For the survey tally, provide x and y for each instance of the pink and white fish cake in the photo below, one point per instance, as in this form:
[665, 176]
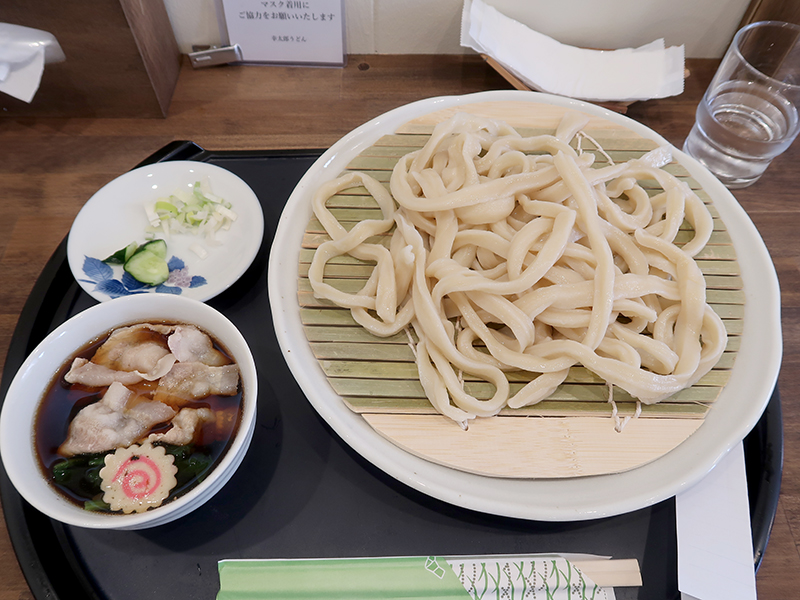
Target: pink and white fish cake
[137, 478]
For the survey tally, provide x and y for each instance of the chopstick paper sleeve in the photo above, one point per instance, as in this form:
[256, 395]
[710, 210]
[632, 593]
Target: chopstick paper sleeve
[406, 577]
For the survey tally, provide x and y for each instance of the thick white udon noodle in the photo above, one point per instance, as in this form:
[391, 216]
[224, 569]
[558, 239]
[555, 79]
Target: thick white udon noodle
[519, 245]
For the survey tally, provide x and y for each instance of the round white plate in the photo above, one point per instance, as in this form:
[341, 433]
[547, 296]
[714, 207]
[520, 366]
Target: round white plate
[734, 414]
[115, 216]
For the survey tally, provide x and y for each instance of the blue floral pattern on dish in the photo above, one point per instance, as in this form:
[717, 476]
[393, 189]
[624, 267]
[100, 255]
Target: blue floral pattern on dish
[102, 276]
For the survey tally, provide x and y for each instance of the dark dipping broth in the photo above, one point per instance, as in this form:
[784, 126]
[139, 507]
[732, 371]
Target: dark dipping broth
[77, 478]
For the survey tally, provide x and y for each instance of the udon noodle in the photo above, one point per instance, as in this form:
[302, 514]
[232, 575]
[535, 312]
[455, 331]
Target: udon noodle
[511, 253]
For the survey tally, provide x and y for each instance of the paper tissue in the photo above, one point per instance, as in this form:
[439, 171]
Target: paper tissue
[23, 54]
[544, 64]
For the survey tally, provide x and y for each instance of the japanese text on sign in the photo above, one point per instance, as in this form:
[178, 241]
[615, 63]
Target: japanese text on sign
[287, 31]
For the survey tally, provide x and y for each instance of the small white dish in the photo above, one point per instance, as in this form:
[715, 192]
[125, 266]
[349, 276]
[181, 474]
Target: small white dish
[735, 412]
[36, 373]
[115, 216]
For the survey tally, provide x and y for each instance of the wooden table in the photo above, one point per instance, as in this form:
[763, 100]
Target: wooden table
[50, 167]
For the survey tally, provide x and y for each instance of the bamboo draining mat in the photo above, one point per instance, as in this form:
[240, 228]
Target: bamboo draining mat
[569, 434]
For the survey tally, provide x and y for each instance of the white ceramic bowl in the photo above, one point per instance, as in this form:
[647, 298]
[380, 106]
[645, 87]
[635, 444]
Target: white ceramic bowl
[36, 373]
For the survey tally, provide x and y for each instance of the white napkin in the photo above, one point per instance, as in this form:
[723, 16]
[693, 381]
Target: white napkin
[715, 545]
[629, 74]
[21, 78]
[23, 53]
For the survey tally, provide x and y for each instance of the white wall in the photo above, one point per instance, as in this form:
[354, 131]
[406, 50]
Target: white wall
[194, 23]
[705, 27]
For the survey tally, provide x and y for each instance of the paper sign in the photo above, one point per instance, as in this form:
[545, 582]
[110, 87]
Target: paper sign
[290, 32]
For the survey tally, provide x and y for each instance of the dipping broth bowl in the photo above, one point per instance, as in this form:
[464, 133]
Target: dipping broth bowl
[36, 375]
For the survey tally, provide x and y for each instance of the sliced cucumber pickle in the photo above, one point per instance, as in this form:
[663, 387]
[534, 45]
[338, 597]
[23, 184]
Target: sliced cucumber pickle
[148, 267]
[121, 256]
[157, 247]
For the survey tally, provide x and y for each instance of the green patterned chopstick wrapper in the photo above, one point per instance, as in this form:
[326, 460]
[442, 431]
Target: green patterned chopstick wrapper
[479, 578]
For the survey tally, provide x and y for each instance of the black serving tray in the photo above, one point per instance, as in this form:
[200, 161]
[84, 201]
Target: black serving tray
[302, 492]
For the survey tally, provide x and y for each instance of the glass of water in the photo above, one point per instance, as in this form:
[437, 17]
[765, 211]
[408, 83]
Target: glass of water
[748, 115]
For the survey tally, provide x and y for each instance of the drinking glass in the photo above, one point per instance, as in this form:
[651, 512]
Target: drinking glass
[748, 115]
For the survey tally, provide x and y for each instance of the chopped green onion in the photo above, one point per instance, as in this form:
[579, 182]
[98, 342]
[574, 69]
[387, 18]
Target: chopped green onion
[169, 207]
[199, 212]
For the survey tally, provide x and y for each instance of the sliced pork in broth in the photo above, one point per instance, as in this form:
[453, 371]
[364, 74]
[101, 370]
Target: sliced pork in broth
[91, 374]
[185, 426]
[144, 388]
[118, 420]
[138, 348]
[189, 344]
[193, 380]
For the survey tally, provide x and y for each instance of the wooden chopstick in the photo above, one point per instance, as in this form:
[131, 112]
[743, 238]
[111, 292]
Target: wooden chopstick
[622, 572]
